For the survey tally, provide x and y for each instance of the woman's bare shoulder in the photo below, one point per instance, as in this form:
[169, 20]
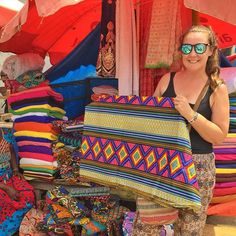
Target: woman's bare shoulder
[220, 94]
[220, 89]
[162, 85]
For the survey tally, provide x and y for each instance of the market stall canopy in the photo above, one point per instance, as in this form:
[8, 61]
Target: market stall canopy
[223, 10]
[226, 33]
[8, 9]
[56, 27]
[50, 27]
[220, 15]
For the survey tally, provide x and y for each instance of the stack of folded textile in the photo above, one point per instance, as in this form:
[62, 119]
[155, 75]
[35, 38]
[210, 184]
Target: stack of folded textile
[33, 111]
[67, 150]
[105, 89]
[224, 196]
[70, 132]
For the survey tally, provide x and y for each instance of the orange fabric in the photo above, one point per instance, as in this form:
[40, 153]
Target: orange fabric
[223, 199]
[223, 209]
[34, 126]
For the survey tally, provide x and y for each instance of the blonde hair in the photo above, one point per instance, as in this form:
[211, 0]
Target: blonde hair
[212, 65]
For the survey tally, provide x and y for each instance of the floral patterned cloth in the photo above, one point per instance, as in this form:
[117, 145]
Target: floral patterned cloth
[12, 212]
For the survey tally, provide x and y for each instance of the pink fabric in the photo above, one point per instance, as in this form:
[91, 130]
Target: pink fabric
[224, 191]
[23, 143]
[34, 93]
[225, 185]
[229, 139]
[38, 156]
[225, 157]
[225, 146]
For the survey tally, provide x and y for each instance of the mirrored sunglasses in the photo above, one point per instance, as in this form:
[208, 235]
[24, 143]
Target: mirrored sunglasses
[199, 48]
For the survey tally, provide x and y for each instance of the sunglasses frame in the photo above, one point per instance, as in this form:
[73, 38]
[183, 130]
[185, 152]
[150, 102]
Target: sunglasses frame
[193, 46]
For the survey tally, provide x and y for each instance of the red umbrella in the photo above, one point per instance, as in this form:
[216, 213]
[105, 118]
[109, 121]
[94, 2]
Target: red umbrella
[226, 32]
[56, 34]
[220, 15]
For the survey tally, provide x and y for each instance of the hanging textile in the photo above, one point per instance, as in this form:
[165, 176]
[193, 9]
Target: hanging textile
[164, 33]
[126, 48]
[147, 77]
[140, 144]
[106, 63]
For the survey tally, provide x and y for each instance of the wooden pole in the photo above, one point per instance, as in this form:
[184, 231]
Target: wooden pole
[195, 18]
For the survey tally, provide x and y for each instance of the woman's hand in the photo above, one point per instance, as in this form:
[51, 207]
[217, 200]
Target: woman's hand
[183, 107]
[12, 193]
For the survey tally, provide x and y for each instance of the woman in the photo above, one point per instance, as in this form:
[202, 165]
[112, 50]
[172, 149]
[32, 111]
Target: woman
[209, 124]
[16, 195]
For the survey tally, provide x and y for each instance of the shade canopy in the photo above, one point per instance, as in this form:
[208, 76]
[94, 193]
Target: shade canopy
[42, 29]
[56, 27]
[226, 32]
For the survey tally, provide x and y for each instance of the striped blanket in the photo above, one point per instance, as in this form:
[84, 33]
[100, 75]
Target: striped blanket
[140, 144]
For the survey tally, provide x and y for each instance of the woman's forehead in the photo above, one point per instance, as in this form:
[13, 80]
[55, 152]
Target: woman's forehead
[201, 37]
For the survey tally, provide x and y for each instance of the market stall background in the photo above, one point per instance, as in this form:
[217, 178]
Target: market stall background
[64, 33]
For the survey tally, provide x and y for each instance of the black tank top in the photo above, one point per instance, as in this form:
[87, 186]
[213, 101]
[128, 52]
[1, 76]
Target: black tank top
[199, 145]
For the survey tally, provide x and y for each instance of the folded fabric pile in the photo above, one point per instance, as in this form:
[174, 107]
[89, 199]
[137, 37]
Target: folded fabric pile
[33, 111]
[93, 212]
[66, 149]
[224, 196]
[70, 132]
[129, 221]
[103, 90]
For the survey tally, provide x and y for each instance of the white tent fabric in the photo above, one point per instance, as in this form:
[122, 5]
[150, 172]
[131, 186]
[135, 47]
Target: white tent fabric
[126, 49]
[47, 8]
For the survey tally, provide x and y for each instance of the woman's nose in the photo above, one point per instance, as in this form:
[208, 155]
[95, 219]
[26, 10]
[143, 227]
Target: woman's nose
[193, 53]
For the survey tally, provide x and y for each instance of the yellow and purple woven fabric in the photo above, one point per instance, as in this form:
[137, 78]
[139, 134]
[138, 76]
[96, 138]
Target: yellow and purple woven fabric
[140, 144]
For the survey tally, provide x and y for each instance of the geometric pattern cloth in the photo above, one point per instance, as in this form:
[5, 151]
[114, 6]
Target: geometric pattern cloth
[140, 144]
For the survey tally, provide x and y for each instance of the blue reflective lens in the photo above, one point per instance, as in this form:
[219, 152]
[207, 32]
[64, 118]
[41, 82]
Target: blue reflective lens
[199, 48]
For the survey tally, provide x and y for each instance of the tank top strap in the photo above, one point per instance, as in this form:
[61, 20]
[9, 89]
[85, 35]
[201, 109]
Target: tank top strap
[170, 91]
[172, 75]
